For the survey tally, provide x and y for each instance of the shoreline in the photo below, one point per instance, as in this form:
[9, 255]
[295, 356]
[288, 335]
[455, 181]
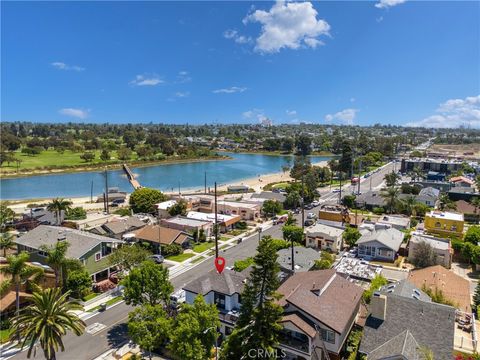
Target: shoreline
[256, 183]
[116, 166]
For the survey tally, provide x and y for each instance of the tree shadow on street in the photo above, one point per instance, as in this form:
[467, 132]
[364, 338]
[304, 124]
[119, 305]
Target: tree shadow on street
[117, 335]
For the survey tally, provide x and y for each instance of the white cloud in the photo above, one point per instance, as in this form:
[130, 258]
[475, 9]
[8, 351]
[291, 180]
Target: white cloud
[346, 116]
[454, 113]
[352, 99]
[291, 112]
[235, 36]
[77, 113]
[182, 94]
[254, 114]
[183, 77]
[62, 66]
[146, 80]
[288, 25]
[230, 90]
[385, 4]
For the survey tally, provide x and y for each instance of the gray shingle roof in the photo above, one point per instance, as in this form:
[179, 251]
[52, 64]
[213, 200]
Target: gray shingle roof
[430, 192]
[270, 196]
[406, 289]
[304, 258]
[124, 225]
[404, 344]
[228, 282]
[390, 238]
[80, 241]
[432, 325]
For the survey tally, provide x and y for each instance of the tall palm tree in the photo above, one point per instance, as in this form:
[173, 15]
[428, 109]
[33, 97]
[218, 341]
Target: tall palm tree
[47, 320]
[409, 205]
[6, 242]
[57, 259]
[58, 205]
[20, 272]
[390, 195]
[444, 203]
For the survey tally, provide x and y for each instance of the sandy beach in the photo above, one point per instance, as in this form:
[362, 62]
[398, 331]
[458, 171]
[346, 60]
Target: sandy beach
[256, 183]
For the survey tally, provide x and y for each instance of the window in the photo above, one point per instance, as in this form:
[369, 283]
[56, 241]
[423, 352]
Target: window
[327, 335]
[98, 256]
[438, 225]
[454, 227]
[219, 300]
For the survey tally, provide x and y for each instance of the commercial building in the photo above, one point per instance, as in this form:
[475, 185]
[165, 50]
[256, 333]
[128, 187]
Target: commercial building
[444, 223]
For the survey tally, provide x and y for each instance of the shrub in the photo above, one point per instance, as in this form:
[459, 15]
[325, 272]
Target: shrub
[241, 225]
[171, 250]
[378, 210]
[76, 213]
[79, 283]
[241, 265]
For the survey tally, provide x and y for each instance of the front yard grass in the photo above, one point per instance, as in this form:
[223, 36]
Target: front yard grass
[201, 247]
[90, 296]
[109, 302]
[180, 257]
[4, 335]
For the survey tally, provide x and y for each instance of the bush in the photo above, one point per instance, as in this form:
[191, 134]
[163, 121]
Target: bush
[280, 244]
[377, 282]
[76, 213]
[5, 324]
[378, 210]
[143, 200]
[241, 225]
[79, 283]
[171, 250]
[241, 265]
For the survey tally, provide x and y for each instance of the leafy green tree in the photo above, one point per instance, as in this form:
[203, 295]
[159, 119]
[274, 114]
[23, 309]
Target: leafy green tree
[147, 284]
[445, 203]
[195, 331]
[172, 249]
[271, 207]
[124, 153]
[143, 200]
[258, 325]
[293, 233]
[377, 282]
[351, 235]
[57, 259]
[303, 144]
[76, 213]
[349, 201]
[391, 179]
[6, 242]
[105, 155]
[6, 215]
[424, 256]
[149, 326]
[87, 156]
[46, 321]
[20, 272]
[473, 235]
[128, 256]
[292, 200]
[57, 206]
[179, 208]
[291, 220]
[476, 297]
[325, 262]
[79, 283]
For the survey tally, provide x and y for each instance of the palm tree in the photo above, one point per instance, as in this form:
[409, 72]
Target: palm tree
[47, 320]
[57, 259]
[58, 205]
[409, 205]
[6, 242]
[444, 203]
[19, 272]
[390, 195]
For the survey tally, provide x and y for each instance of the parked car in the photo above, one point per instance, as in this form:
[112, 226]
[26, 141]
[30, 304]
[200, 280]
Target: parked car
[309, 222]
[280, 219]
[158, 259]
[177, 298]
[311, 216]
[315, 203]
[117, 202]
[335, 190]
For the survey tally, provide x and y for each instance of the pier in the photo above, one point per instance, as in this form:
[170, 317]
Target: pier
[131, 177]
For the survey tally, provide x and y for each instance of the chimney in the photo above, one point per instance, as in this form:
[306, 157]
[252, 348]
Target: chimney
[378, 306]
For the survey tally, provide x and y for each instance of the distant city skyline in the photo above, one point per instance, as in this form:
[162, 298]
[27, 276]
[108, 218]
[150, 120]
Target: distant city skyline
[393, 62]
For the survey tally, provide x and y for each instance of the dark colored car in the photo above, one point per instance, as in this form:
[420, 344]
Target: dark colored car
[158, 259]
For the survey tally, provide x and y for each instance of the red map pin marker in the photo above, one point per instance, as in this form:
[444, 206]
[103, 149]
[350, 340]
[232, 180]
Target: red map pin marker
[220, 264]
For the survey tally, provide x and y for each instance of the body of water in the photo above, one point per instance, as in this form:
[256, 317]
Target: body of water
[167, 177]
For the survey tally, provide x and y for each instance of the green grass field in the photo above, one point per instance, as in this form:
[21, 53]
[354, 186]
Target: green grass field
[201, 247]
[181, 257]
[4, 335]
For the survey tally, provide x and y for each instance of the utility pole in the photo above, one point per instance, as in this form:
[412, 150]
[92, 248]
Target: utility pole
[91, 192]
[106, 191]
[340, 192]
[179, 193]
[215, 228]
[205, 184]
[303, 203]
[359, 175]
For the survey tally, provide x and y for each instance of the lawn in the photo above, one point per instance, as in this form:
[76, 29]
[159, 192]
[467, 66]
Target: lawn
[109, 303]
[201, 247]
[4, 335]
[90, 296]
[224, 238]
[200, 258]
[180, 257]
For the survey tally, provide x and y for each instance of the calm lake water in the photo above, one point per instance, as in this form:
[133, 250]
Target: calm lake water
[164, 177]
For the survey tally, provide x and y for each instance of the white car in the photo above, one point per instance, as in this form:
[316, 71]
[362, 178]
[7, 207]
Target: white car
[311, 216]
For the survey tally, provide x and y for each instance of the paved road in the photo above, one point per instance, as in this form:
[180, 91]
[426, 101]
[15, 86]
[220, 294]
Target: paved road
[112, 329]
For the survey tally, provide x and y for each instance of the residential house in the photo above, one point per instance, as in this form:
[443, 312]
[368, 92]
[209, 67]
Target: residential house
[91, 249]
[441, 247]
[163, 208]
[304, 259]
[320, 308]
[395, 221]
[462, 181]
[470, 212]
[399, 326]
[114, 193]
[247, 211]
[159, 236]
[444, 223]
[34, 217]
[463, 193]
[370, 200]
[270, 195]
[379, 243]
[225, 222]
[324, 237]
[119, 227]
[428, 196]
[436, 278]
[188, 225]
[223, 290]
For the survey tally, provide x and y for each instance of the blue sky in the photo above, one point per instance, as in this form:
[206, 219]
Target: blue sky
[343, 62]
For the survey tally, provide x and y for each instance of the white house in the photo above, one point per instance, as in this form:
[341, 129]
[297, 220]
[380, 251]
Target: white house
[379, 243]
[324, 237]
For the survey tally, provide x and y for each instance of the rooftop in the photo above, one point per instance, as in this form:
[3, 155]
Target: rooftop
[162, 235]
[357, 268]
[324, 229]
[445, 215]
[221, 218]
[185, 221]
[436, 243]
[228, 282]
[165, 205]
[304, 258]
[391, 238]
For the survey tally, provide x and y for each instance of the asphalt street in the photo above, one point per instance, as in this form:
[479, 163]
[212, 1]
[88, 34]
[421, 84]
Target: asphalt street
[108, 329]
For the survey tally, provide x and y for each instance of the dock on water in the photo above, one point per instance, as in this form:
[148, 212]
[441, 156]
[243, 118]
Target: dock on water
[131, 177]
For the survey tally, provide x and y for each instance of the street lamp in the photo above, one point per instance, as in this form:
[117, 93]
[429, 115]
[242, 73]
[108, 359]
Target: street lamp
[259, 230]
[216, 339]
